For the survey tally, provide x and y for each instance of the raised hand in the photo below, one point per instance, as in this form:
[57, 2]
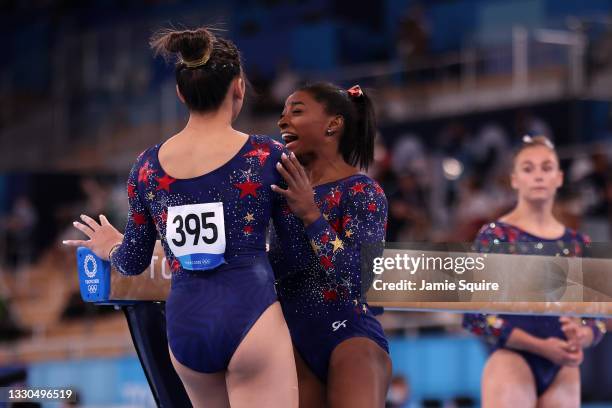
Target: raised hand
[299, 193]
[102, 237]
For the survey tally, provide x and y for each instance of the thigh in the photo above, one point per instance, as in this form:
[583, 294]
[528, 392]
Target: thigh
[564, 392]
[359, 374]
[203, 389]
[312, 390]
[261, 372]
[507, 381]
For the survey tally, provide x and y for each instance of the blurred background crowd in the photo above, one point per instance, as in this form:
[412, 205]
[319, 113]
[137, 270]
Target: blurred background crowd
[456, 84]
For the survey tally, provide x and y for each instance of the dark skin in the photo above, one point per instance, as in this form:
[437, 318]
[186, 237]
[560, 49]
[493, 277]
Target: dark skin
[359, 370]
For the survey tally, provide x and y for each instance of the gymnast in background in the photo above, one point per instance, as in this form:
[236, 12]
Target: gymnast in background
[534, 360]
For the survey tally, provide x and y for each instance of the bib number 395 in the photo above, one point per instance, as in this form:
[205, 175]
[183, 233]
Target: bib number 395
[191, 225]
[196, 235]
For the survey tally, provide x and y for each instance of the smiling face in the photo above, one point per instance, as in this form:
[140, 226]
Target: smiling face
[304, 125]
[536, 175]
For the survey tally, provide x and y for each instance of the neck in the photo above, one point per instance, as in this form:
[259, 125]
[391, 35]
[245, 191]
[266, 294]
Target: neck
[209, 123]
[538, 215]
[328, 167]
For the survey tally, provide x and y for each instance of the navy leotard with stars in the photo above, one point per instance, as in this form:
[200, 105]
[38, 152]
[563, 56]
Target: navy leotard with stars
[500, 237]
[208, 312]
[318, 268]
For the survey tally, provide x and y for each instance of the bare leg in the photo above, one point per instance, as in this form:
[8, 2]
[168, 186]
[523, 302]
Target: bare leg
[564, 392]
[359, 374]
[262, 370]
[312, 390]
[507, 381]
[204, 390]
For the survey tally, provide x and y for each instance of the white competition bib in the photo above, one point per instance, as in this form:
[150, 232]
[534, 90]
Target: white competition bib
[196, 235]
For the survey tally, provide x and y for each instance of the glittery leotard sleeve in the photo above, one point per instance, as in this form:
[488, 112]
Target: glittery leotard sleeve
[363, 221]
[134, 254]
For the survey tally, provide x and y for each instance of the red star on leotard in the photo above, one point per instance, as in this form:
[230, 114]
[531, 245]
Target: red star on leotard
[378, 188]
[164, 182]
[248, 188]
[336, 226]
[131, 190]
[261, 151]
[326, 262]
[164, 216]
[358, 188]
[512, 235]
[175, 266]
[144, 173]
[345, 220]
[325, 239]
[248, 230]
[372, 207]
[330, 295]
[333, 198]
[139, 218]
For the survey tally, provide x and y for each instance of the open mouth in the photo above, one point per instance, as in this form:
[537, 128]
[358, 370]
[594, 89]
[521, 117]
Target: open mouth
[288, 138]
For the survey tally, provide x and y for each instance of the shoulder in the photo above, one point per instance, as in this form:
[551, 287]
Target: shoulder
[265, 141]
[147, 155]
[578, 236]
[266, 145]
[362, 186]
[498, 230]
[145, 160]
[364, 194]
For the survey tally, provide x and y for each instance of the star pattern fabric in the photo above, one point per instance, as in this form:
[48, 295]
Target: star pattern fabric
[242, 184]
[319, 266]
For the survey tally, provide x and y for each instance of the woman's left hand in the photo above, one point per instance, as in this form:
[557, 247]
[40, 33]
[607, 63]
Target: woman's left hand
[299, 192]
[102, 237]
[576, 334]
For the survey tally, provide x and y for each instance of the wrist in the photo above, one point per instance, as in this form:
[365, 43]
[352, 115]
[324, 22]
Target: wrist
[113, 249]
[537, 346]
[311, 217]
[533, 345]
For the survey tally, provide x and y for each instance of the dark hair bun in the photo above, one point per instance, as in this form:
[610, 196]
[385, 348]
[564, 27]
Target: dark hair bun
[190, 45]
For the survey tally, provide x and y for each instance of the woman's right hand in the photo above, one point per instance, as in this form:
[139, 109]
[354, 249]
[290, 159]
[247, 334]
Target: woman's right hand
[561, 352]
[102, 237]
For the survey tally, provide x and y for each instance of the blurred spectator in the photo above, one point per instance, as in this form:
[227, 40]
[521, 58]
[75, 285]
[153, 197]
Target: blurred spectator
[596, 184]
[526, 123]
[96, 196]
[600, 53]
[413, 36]
[474, 208]
[489, 151]
[381, 170]
[262, 101]
[9, 329]
[408, 155]
[19, 227]
[285, 83]
[398, 394]
[408, 211]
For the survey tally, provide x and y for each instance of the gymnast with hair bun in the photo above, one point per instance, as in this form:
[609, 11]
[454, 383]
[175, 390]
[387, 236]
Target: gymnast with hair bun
[534, 360]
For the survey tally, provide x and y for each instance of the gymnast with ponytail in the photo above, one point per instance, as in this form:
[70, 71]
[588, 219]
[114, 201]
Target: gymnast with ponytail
[332, 212]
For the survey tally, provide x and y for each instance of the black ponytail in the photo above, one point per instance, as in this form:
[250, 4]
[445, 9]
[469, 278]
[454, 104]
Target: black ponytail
[357, 141]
